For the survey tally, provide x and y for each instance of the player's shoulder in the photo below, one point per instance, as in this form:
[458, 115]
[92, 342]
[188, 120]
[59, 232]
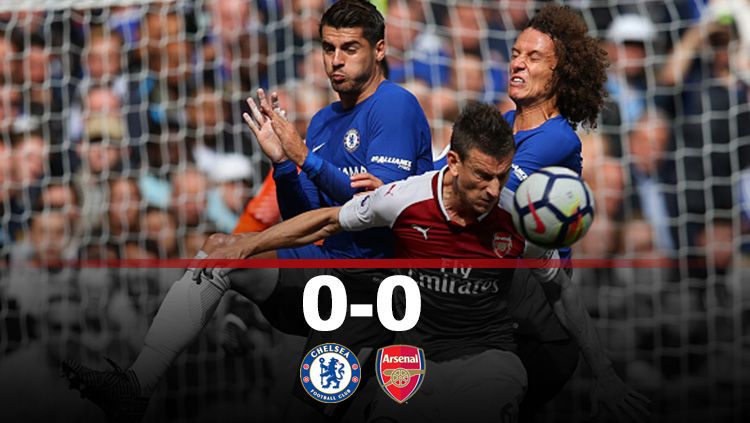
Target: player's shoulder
[390, 95]
[560, 128]
[409, 190]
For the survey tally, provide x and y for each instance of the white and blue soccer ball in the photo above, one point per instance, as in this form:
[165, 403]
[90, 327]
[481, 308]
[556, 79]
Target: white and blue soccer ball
[553, 207]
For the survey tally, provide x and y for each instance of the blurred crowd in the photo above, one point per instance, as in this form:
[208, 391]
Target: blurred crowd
[121, 137]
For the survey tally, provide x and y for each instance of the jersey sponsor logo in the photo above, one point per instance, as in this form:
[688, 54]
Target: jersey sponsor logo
[353, 170]
[401, 163]
[422, 230]
[453, 283]
[502, 242]
[520, 174]
[330, 373]
[540, 228]
[351, 140]
[318, 147]
[400, 370]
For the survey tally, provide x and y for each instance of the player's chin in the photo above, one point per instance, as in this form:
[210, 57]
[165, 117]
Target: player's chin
[481, 207]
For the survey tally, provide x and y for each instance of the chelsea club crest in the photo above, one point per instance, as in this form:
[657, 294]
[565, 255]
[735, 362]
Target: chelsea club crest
[330, 373]
[351, 140]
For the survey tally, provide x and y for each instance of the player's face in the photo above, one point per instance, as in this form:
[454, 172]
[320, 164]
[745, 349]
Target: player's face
[532, 68]
[479, 178]
[351, 62]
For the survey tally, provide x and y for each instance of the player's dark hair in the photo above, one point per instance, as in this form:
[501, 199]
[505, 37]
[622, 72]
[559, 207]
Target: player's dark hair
[483, 127]
[581, 70]
[355, 14]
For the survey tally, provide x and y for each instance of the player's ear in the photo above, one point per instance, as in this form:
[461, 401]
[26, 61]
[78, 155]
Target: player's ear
[453, 162]
[380, 50]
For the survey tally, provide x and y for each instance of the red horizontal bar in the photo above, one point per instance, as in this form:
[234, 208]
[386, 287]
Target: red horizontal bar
[436, 263]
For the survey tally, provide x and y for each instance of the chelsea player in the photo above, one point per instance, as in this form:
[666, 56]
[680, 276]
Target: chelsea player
[376, 127]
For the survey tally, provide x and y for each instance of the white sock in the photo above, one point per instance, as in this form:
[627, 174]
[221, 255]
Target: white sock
[186, 309]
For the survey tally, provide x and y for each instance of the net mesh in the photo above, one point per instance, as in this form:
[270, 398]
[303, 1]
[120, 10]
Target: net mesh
[122, 137]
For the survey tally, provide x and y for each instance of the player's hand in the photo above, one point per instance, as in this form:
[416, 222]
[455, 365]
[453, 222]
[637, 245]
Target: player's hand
[233, 247]
[292, 143]
[365, 181]
[619, 401]
[261, 126]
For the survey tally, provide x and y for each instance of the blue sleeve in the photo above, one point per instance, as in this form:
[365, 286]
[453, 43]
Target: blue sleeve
[294, 192]
[549, 148]
[328, 178]
[399, 147]
[401, 144]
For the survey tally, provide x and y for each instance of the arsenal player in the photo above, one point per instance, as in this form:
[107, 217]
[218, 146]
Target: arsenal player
[464, 327]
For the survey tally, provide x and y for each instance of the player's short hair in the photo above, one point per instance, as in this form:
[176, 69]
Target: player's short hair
[481, 126]
[355, 14]
[581, 70]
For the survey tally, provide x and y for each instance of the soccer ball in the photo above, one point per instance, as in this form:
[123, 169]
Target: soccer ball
[553, 207]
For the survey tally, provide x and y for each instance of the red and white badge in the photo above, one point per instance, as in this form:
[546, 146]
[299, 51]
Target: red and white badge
[400, 370]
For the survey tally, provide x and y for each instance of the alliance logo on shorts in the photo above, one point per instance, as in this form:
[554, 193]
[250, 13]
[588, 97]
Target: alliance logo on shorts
[400, 370]
[330, 373]
[351, 140]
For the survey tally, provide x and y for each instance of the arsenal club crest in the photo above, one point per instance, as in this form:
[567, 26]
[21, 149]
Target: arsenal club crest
[400, 371]
[501, 244]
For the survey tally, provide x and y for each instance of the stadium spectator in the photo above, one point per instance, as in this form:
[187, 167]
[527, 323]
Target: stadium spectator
[94, 100]
[38, 264]
[231, 176]
[189, 197]
[629, 38]
[29, 157]
[310, 70]
[468, 78]
[123, 209]
[440, 106]
[102, 58]
[651, 170]
[717, 118]
[414, 50]
[101, 152]
[236, 50]
[469, 28]
[160, 226]
[166, 58]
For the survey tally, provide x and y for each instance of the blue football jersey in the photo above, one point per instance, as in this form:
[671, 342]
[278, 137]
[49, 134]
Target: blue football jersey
[386, 135]
[553, 143]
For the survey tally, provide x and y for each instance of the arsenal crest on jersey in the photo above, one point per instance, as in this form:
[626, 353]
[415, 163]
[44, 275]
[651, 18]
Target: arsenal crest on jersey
[502, 243]
[400, 370]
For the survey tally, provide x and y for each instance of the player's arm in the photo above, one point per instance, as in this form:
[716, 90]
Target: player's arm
[295, 193]
[565, 299]
[359, 213]
[300, 230]
[398, 148]
[321, 174]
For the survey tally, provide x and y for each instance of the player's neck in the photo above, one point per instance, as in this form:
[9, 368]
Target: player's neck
[349, 100]
[533, 116]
